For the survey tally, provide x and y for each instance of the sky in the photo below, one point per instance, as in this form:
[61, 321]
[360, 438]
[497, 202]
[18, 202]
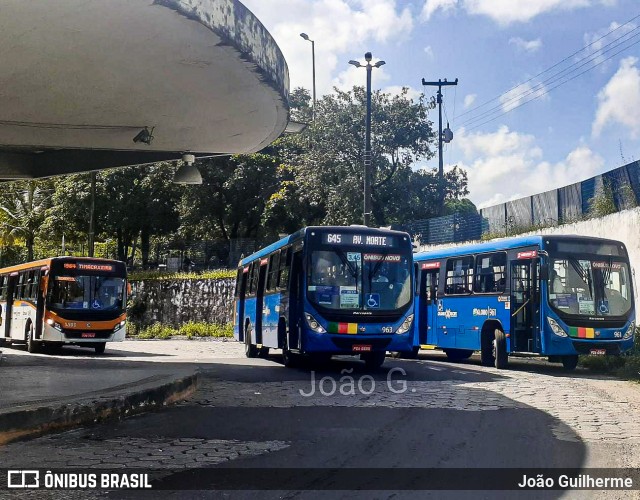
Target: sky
[576, 61]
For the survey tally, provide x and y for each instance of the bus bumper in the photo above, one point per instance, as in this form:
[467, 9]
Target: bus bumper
[50, 334]
[356, 344]
[571, 346]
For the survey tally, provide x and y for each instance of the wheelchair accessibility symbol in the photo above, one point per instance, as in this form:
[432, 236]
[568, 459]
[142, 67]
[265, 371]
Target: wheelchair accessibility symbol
[372, 300]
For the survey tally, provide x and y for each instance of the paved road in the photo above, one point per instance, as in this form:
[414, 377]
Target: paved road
[425, 413]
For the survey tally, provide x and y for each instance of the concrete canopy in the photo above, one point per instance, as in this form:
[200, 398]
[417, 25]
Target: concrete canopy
[79, 79]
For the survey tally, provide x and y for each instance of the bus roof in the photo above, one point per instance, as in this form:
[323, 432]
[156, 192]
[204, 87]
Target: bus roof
[301, 232]
[502, 244]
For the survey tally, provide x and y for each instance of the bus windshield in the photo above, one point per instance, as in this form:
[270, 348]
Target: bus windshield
[345, 280]
[590, 286]
[97, 293]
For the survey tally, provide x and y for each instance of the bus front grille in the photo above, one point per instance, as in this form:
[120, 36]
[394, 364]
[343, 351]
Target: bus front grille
[80, 335]
[585, 347]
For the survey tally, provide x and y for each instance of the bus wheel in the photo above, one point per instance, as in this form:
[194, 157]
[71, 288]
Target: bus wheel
[569, 362]
[458, 354]
[500, 349]
[250, 350]
[373, 360]
[487, 357]
[100, 347]
[32, 344]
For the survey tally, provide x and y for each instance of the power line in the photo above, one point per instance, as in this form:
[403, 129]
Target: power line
[552, 88]
[551, 67]
[557, 76]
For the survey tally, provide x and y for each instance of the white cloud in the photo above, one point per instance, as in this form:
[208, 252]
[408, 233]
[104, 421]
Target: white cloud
[596, 42]
[469, 99]
[526, 45]
[619, 100]
[521, 94]
[341, 30]
[431, 6]
[504, 12]
[429, 51]
[505, 165]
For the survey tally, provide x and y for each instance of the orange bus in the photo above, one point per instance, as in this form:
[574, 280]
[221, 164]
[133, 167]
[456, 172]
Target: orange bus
[64, 300]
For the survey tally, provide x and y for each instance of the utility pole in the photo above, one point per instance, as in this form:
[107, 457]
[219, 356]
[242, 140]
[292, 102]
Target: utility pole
[440, 84]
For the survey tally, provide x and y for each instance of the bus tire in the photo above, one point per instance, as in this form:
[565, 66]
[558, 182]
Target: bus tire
[500, 346]
[373, 360]
[250, 350]
[33, 345]
[263, 352]
[486, 349]
[570, 362]
[458, 354]
[100, 347]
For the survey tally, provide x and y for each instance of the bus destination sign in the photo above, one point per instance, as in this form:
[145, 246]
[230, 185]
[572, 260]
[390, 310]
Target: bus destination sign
[89, 266]
[359, 240]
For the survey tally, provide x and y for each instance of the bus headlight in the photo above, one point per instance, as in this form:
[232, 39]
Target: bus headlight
[313, 324]
[119, 325]
[629, 333]
[52, 323]
[556, 328]
[406, 324]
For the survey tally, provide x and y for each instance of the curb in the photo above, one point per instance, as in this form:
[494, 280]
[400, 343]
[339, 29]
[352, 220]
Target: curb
[33, 422]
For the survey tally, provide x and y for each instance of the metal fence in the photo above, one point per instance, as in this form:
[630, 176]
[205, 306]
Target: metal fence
[612, 191]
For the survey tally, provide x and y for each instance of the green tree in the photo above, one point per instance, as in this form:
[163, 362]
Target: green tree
[24, 205]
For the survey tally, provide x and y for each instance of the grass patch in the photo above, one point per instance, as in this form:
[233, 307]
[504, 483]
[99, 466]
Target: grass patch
[215, 274]
[190, 330]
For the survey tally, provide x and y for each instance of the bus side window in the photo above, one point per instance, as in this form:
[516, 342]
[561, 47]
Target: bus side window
[490, 273]
[272, 273]
[3, 287]
[285, 265]
[253, 278]
[459, 277]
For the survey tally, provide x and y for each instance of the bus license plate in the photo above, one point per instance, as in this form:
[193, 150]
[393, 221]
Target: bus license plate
[88, 335]
[598, 352]
[361, 348]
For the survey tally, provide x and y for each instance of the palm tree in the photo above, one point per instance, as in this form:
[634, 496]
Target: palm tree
[24, 206]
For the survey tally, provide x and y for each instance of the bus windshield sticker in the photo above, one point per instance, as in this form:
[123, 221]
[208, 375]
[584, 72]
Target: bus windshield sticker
[527, 255]
[349, 297]
[378, 257]
[607, 265]
[65, 278]
[353, 256]
[586, 307]
[372, 300]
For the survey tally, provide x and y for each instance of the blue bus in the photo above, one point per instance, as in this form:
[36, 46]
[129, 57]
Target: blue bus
[555, 296]
[324, 291]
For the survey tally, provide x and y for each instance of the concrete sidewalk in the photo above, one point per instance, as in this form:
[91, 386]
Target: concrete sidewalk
[42, 393]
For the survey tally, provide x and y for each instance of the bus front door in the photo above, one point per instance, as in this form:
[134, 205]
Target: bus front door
[428, 304]
[262, 278]
[524, 306]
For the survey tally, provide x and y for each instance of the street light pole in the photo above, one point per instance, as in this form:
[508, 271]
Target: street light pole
[367, 138]
[92, 215]
[313, 69]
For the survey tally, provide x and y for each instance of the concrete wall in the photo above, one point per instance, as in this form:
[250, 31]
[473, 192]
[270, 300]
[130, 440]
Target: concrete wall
[179, 301]
[622, 226]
